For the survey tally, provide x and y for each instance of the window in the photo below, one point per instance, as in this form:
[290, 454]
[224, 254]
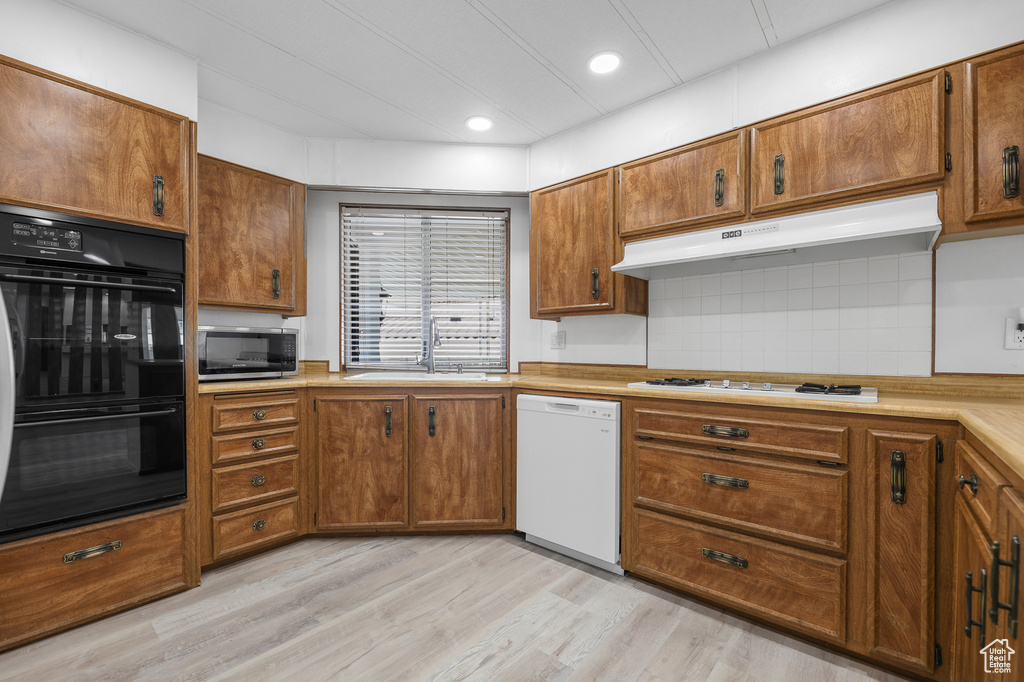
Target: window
[401, 267]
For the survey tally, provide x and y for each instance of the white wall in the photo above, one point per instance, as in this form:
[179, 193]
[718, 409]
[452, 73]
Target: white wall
[978, 284]
[323, 230]
[892, 41]
[74, 44]
[229, 135]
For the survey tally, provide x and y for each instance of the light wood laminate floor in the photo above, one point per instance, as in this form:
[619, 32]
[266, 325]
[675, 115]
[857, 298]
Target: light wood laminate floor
[481, 607]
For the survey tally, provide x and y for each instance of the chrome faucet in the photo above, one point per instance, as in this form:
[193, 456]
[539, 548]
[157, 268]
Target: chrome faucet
[435, 342]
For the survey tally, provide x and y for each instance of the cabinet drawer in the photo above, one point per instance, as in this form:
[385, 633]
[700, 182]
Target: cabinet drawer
[800, 589]
[261, 413]
[792, 439]
[40, 592]
[235, 486]
[981, 484]
[804, 504]
[244, 530]
[253, 443]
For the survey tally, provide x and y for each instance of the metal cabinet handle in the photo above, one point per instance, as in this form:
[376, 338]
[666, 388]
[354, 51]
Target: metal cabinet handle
[387, 420]
[276, 283]
[158, 195]
[1011, 172]
[258, 480]
[728, 481]
[780, 173]
[729, 431]
[730, 559]
[898, 476]
[969, 594]
[259, 414]
[258, 444]
[259, 525]
[72, 557]
[432, 420]
[719, 187]
[972, 482]
[595, 283]
[1014, 565]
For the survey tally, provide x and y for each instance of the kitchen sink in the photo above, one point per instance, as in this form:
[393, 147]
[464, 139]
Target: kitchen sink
[421, 376]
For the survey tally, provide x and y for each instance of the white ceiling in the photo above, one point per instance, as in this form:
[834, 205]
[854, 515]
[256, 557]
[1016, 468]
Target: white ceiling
[417, 69]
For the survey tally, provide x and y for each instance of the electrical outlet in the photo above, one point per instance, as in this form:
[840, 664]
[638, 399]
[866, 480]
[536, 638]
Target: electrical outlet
[1014, 335]
[557, 340]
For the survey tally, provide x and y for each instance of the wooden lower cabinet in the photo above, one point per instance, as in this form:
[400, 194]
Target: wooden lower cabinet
[44, 589]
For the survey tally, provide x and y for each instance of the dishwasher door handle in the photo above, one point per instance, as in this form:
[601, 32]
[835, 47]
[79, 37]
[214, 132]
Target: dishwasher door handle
[562, 407]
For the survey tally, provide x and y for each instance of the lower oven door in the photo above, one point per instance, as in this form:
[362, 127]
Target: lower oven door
[69, 467]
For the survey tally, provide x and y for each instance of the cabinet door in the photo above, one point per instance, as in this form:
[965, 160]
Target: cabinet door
[994, 126]
[884, 138]
[903, 599]
[693, 185]
[1004, 592]
[457, 468]
[362, 460]
[71, 147]
[972, 571]
[250, 239]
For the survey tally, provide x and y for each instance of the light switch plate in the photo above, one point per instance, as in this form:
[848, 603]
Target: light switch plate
[557, 340]
[1014, 337]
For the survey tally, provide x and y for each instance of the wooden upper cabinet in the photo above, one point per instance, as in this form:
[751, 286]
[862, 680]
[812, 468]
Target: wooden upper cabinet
[688, 187]
[251, 239]
[573, 245]
[880, 139]
[994, 135]
[67, 146]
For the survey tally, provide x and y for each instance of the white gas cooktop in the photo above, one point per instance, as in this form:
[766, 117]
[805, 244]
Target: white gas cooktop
[807, 391]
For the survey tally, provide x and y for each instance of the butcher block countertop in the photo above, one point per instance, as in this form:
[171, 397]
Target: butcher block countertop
[998, 422]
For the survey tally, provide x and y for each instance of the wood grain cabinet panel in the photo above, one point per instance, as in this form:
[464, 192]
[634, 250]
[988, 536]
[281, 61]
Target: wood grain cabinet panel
[573, 244]
[234, 447]
[251, 239]
[251, 483]
[363, 462]
[994, 124]
[972, 566]
[71, 147]
[255, 412]
[981, 483]
[880, 139]
[683, 188]
[249, 529]
[457, 461]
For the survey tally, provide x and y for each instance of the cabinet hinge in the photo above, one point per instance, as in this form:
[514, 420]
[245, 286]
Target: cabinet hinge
[949, 84]
[314, 404]
[938, 655]
[503, 402]
[940, 454]
[949, 162]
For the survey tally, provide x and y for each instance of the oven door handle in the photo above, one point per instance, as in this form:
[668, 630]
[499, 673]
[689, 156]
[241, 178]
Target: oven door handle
[99, 418]
[7, 393]
[34, 279]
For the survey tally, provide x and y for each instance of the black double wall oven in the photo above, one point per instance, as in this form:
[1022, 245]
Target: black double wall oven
[92, 372]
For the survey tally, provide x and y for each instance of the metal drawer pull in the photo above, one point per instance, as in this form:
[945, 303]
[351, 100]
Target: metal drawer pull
[719, 187]
[432, 420]
[260, 524]
[387, 420]
[972, 482]
[730, 559]
[730, 431]
[275, 283]
[780, 173]
[898, 476]
[158, 195]
[1011, 172]
[72, 557]
[259, 414]
[595, 283]
[969, 593]
[728, 481]
[1014, 565]
[258, 444]
[258, 480]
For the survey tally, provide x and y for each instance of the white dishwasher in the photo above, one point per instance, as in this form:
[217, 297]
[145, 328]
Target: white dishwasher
[567, 477]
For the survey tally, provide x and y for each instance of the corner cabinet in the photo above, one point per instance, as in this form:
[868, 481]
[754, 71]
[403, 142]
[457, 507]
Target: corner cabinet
[68, 146]
[573, 244]
[251, 231]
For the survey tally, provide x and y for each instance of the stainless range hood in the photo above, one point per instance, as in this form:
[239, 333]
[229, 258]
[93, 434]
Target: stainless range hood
[901, 225]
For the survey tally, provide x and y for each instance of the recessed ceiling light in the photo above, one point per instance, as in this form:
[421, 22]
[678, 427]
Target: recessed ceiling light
[479, 123]
[605, 62]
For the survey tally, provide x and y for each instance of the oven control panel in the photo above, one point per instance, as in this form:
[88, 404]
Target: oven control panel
[44, 237]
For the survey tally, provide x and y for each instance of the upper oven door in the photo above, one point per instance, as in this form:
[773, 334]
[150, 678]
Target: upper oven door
[81, 336]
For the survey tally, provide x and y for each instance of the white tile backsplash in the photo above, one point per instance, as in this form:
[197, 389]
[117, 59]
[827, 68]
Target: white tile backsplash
[856, 316]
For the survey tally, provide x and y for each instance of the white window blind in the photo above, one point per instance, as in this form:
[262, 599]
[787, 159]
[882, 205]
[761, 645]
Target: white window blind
[400, 267]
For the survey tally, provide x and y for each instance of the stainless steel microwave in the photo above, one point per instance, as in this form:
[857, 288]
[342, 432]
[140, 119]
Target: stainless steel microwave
[246, 353]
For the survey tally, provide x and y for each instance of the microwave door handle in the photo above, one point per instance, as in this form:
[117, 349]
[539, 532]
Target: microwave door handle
[98, 418]
[7, 390]
[37, 279]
